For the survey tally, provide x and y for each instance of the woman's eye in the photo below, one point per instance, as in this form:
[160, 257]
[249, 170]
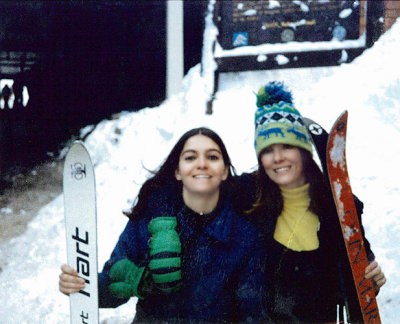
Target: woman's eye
[189, 158]
[287, 147]
[213, 157]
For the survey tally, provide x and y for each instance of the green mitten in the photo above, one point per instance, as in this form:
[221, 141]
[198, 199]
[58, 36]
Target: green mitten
[128, 280]
[165, 251]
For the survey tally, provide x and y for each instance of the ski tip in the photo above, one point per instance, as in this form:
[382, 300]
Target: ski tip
[308, 121]
[343, 116]
[77, 148]
[77, 159]
[77, 143]
[340, 123]
[315, 129]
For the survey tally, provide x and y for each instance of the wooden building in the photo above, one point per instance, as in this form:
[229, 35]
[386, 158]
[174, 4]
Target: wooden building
[392, 12]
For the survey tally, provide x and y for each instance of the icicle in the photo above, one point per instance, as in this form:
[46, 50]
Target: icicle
[337, 314]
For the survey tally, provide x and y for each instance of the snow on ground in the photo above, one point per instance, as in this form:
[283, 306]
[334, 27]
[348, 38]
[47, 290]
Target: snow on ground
[122, 150]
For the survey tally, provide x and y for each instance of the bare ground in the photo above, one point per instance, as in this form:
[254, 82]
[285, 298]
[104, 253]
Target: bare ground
[27, 193]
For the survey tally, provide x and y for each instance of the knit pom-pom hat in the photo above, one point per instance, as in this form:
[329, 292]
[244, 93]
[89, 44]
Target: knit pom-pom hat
[277, 121]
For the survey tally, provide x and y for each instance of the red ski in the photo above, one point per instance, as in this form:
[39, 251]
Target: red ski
[346, 210]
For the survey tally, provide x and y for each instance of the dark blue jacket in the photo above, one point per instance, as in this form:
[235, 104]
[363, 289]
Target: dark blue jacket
[222, 268]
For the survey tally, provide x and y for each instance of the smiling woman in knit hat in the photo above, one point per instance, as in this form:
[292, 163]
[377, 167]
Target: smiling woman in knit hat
[306, 265]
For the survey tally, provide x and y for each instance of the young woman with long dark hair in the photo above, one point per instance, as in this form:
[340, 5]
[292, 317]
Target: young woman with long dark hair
[185, 253]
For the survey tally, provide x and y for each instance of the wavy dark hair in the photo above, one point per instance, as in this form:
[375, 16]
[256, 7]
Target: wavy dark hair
[165, 175]
[269, 199]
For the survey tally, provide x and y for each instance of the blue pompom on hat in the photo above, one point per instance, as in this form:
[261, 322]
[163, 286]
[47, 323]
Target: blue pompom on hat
[277, 121]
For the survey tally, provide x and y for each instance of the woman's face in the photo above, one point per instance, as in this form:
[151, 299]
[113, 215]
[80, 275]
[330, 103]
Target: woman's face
[201, 166]
[283, 165]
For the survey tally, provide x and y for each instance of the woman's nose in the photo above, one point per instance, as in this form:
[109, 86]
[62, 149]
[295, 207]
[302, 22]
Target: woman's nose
[202, 162]
[278, 156]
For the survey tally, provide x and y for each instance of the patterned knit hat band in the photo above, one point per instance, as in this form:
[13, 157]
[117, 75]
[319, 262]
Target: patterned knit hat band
[277, 121]
[281, 111]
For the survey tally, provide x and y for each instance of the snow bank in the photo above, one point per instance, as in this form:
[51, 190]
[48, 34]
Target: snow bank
[123, 148]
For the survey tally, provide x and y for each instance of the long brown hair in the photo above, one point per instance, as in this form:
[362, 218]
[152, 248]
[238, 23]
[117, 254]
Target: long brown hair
[165, 175]
[269, 199]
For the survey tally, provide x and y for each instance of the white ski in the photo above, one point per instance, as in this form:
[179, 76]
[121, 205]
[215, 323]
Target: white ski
[81, 231]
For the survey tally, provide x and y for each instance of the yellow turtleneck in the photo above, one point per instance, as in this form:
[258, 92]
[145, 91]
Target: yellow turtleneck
[297, 227]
